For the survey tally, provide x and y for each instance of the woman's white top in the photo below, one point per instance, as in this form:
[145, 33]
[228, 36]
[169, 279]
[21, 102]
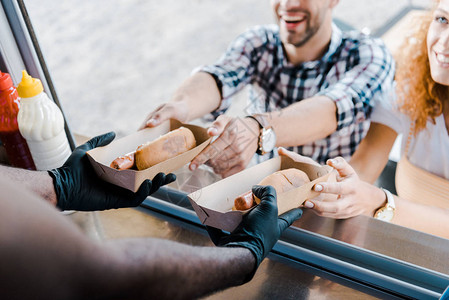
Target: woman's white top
[429, 150]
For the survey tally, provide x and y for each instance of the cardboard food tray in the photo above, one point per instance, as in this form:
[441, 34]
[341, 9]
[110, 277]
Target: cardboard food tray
[213, 204]
[102, 157]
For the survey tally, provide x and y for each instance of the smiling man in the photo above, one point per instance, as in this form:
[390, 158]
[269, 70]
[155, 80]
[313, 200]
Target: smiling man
[312, 89]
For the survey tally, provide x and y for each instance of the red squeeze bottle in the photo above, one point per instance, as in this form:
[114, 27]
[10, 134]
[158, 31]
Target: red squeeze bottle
[16, 146]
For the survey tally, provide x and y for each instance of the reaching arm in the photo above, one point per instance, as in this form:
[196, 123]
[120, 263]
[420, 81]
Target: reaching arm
[198, 95]
[76, 186]
[60, 263]
[153, 267]
[301, 118]
[343, 103]
[238, 138]
[38, 182]
[356, 197]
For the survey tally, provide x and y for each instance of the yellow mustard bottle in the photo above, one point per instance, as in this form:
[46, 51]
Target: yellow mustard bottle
[41, 123]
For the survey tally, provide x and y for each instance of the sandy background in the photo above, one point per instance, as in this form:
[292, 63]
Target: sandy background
[113, 61]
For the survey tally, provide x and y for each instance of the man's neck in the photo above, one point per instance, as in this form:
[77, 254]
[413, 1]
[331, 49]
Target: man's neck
[314, 49]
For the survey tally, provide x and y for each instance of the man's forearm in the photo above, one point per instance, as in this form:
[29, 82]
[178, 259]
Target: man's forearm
[38, 182]
[303, 122]
[62, 263]
[160, 265]
[198, 95]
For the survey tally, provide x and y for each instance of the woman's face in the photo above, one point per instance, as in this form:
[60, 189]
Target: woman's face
[438, 44]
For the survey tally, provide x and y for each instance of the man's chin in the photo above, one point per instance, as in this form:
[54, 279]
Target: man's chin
[294, 40]
[297, 43]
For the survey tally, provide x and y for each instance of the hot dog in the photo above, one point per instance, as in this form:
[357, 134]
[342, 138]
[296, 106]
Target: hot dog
[151, 153]
[165, 147]
[282, 181]
[124, 162]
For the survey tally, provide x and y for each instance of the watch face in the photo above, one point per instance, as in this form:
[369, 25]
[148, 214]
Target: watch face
[268, 140]
[385, 214]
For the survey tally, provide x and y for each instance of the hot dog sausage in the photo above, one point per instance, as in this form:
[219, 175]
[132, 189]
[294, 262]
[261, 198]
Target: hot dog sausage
[123, 162]
[244, 201]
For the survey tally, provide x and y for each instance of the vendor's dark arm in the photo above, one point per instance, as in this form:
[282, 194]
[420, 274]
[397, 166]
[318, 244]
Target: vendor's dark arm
[38, 182]
[76, 186]
[47, 257]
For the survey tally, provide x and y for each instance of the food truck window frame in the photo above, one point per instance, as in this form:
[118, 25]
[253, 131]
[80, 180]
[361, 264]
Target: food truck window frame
[19, 49]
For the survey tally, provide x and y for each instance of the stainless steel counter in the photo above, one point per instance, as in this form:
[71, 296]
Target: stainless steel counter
[316, 258]
[277, 277]
[369, 254]
[415, 247]
[368, 233]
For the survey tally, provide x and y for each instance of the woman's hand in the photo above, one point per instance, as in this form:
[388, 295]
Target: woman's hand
[304, 159]
[354, 196]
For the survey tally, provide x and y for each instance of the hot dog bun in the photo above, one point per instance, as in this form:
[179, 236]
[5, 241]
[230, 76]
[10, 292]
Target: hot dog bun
[282, 181]
[167, 146]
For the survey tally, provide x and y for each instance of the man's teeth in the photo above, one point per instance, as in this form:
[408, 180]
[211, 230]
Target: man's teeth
[443, 58]
[292, 18]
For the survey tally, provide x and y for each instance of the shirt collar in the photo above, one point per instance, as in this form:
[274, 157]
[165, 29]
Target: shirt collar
[336, 39]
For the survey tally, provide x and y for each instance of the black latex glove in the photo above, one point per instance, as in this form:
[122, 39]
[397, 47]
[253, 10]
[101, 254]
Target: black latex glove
[78, 187]
[260, 229]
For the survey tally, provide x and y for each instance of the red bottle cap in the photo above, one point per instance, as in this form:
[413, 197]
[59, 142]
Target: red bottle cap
[5, 81]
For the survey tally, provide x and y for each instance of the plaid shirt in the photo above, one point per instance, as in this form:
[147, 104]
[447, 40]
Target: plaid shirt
[355, 69]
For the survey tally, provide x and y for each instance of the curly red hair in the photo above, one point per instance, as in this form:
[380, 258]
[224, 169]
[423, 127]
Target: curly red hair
[419, 96]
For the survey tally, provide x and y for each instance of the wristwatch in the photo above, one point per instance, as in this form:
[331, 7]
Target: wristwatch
[267, 137]
[386, 212]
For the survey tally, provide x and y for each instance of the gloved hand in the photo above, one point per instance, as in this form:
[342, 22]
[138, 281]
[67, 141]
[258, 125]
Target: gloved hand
[79, 188]
[260, 229]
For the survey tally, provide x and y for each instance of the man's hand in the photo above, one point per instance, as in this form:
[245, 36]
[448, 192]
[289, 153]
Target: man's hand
[77, 186]
[165, 112]
[198, 95]
[232, 151]
[260, 229]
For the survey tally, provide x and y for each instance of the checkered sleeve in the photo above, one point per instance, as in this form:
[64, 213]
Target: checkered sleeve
[371, 76]
[236, 66]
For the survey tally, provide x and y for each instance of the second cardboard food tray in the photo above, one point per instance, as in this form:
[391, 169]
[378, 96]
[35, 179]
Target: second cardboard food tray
[213, 204]
[102, 157]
